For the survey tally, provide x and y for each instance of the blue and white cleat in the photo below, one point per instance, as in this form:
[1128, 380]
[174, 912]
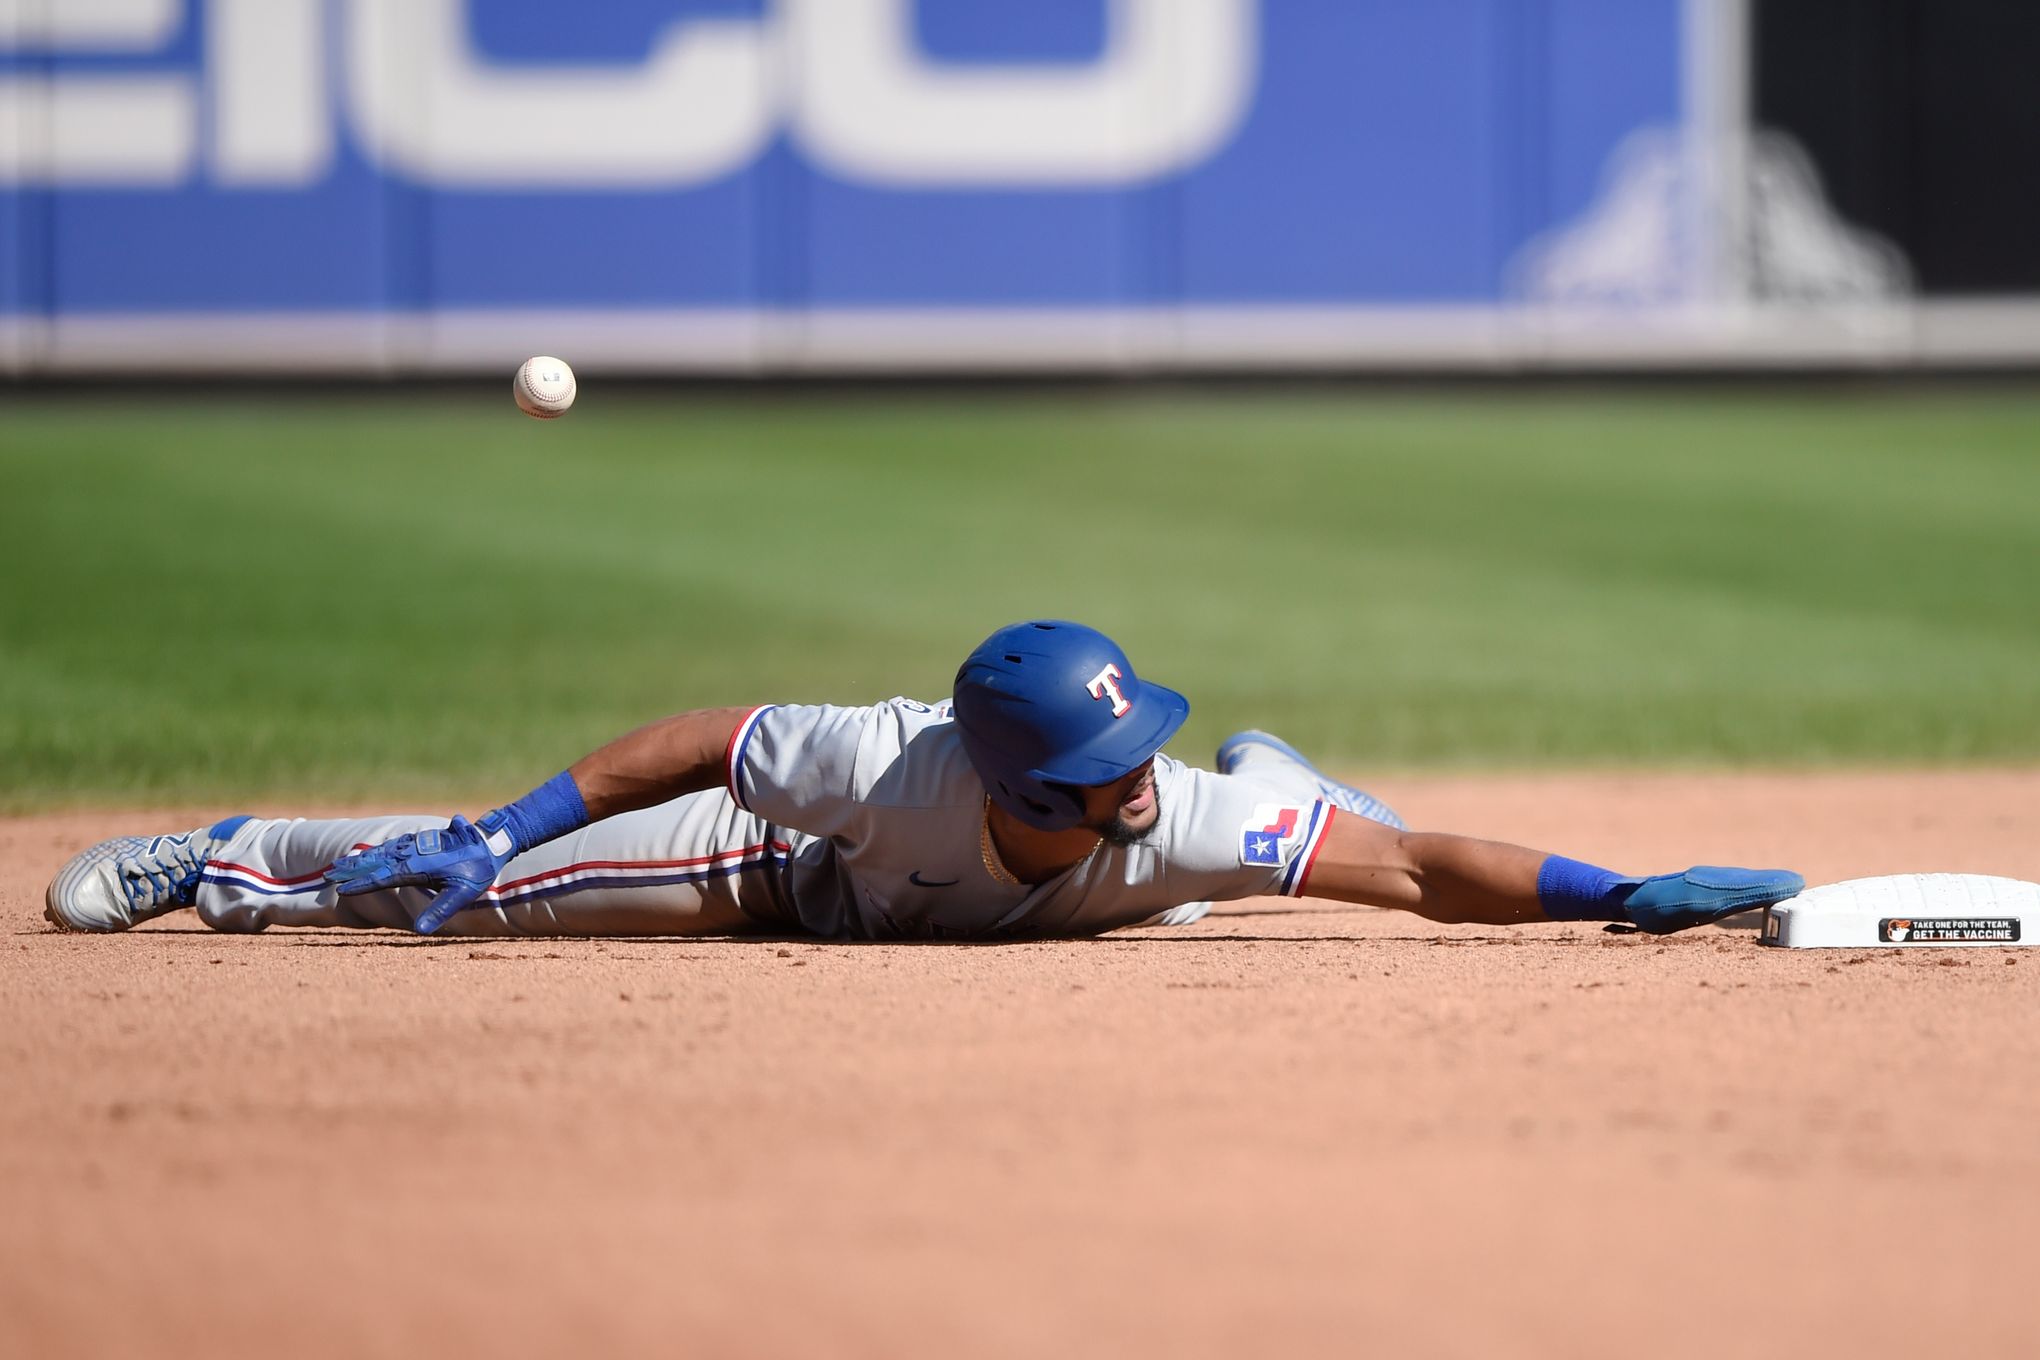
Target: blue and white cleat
[1241, 751]
[130, 879]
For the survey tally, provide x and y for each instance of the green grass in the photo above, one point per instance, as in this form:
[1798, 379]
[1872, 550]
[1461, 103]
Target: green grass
[410, 595]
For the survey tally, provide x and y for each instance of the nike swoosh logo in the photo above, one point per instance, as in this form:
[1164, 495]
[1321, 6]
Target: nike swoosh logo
[920, 882]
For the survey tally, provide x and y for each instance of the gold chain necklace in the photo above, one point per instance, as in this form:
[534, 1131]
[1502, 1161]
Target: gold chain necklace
[989, 853]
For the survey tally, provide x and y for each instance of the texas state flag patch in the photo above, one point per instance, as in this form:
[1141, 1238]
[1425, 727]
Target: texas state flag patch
[1285, 838]
[1269, 836]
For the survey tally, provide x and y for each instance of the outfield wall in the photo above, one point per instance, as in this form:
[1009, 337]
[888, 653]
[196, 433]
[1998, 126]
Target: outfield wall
[756, 186]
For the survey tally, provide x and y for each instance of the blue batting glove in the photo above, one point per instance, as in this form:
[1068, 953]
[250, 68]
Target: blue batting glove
[1669, 902]
[460, 861]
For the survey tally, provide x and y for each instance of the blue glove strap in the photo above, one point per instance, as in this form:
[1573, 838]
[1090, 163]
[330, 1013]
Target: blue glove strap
[1571, 891]
[552, 809]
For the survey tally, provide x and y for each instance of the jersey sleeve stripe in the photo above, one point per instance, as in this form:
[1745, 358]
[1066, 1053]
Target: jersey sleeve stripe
[733, 754]
[1307, 853]
[1302, 852]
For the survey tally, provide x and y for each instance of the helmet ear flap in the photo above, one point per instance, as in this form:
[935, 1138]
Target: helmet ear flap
[1067, 805]
[1048, 806]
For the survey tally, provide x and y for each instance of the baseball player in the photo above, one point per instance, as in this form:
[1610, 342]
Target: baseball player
[1035, 801]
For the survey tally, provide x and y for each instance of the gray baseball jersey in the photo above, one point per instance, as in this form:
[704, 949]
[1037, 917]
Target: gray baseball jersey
[842, 822]
[885, 814]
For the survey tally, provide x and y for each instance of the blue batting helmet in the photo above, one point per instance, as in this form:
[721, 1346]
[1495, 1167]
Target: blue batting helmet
[1046, 706]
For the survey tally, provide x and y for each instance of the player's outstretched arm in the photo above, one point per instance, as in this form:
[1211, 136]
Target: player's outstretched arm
[1461, 879]
[1443, 877]
[658, 762]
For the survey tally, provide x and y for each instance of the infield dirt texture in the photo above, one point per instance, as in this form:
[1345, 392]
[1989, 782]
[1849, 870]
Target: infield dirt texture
[1772, 630]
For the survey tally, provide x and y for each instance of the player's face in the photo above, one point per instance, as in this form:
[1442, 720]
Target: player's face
[1125, 810]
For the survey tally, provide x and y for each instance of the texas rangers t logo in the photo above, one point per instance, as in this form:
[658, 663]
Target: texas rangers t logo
[1107, 682]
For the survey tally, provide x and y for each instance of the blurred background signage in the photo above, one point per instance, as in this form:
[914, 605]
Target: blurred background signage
[734, 185]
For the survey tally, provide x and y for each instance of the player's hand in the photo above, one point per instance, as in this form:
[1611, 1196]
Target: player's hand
[456, 861]
[1669, 902]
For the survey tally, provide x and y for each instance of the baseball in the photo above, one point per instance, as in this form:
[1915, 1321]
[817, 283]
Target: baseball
[544, 387]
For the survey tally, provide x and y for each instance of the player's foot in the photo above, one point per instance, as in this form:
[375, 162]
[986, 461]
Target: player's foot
[1704, 894]
[130, 879]
[1240, 752]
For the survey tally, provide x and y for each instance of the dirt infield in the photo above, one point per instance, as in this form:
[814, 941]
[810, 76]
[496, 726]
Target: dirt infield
[1291, 1128]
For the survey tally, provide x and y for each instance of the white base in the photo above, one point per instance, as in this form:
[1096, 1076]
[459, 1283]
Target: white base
[1908, 911]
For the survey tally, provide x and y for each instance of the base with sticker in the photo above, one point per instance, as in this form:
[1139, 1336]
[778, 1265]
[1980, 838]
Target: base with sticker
[1908, 911]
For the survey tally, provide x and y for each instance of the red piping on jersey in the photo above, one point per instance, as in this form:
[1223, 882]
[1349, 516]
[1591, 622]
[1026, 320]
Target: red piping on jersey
[576, 868]
[1324, 832]
[227, 867]
[781, 847]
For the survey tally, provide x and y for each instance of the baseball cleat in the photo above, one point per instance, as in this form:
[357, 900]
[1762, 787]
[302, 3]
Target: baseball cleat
[130, 879]
[1705, 894]
[1239, 752]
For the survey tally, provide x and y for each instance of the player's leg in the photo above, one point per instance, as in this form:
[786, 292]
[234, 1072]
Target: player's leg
[697, 865]
[1270, 760]
[270, 872]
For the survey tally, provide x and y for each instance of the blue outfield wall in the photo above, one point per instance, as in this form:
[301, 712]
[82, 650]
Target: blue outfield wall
[284, 158]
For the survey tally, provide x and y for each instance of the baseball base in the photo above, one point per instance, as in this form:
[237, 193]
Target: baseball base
[1908, 911]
